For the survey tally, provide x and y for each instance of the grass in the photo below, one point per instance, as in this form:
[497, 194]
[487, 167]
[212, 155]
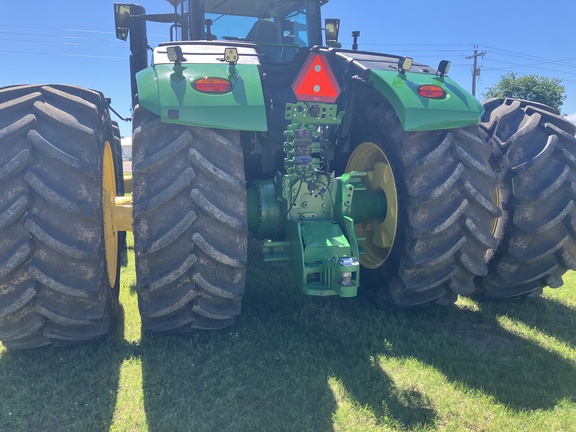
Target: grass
[297, 363]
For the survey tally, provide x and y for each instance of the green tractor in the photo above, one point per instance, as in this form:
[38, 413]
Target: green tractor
[366, 171]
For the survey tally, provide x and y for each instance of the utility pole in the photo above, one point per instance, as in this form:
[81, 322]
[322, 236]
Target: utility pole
[476, 69]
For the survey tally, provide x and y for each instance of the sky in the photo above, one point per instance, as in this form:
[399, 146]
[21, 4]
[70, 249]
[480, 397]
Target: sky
[73, 42]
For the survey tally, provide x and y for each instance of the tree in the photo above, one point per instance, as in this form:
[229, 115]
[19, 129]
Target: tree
[549, 91]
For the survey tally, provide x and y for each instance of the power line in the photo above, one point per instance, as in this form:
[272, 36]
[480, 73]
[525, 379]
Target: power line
[76, 37]
[67, 30]
[541, 63]
[507, 68]
[517, 54]
[74, 44]
[65, 54]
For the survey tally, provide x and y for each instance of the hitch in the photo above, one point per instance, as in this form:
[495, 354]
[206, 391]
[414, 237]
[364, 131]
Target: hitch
[307, 215]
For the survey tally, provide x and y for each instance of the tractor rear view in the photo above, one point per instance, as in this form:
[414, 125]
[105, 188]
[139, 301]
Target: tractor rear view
[366, 171]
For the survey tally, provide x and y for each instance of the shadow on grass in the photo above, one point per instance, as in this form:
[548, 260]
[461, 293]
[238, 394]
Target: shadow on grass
[57, 389]
[545, 314]
[291, 363]
[250, 380]
[272, 371]
[276, 369]
[472, 348]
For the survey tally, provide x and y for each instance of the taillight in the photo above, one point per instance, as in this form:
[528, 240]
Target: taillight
[431, 91]
[212, 85]
[316, 81]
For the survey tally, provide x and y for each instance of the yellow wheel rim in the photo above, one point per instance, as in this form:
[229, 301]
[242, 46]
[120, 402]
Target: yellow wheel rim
[379, 233]
[109, 198]
[496, 198]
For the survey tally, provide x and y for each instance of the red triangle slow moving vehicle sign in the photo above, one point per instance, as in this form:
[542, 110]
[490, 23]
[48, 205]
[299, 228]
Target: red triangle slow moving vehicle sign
[316, 81]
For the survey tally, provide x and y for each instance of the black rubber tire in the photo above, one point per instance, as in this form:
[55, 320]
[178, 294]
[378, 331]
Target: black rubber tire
[190, 230]
[536, 152]
[54, 285]
[446, 207]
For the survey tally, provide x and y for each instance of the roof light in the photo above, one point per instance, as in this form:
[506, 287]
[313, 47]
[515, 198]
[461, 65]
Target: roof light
[231, 55]
[175, 54]
[332, 28]
[431, 91]
[443, 68]
[316, 81]
[405, 64]
[212, 85]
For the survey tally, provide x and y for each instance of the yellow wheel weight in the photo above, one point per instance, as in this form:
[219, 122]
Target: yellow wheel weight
[380, 234]
[109, 199]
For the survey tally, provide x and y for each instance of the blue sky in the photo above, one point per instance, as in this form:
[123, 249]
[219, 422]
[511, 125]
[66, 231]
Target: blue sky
[73, 42]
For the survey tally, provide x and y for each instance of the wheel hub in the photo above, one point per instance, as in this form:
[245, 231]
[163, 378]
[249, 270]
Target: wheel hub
[380, 233]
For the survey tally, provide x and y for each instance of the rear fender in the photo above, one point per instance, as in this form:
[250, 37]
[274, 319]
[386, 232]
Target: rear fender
[456, 109]
[167, 90]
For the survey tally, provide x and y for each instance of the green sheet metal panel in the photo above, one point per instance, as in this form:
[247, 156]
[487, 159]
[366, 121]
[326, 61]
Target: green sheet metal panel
[167, 90]
[416, 113]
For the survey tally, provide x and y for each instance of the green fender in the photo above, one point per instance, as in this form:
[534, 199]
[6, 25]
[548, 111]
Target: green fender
[416, 113]
[167, 90]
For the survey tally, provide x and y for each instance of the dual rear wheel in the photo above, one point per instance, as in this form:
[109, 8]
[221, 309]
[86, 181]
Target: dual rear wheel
[486, 211]
[60, 245]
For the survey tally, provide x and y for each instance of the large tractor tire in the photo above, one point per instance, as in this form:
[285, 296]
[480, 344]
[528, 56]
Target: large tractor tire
[443, 207]
[58, 251]
[190, 230]
[536, 152]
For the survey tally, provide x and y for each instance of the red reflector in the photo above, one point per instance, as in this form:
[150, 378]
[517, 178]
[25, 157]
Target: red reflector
[212, 85]
[316, 81]
[431, 91]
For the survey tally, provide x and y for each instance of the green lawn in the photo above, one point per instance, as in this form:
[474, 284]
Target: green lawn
[297, 363]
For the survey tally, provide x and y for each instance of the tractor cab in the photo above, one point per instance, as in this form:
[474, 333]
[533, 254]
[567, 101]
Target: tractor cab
[280, 31]
[280, 28]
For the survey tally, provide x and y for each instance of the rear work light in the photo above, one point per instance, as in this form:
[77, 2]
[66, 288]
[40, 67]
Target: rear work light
[212, 85]
[431, 91]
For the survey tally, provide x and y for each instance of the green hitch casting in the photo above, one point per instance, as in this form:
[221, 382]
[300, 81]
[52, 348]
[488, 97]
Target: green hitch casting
[306, 215]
